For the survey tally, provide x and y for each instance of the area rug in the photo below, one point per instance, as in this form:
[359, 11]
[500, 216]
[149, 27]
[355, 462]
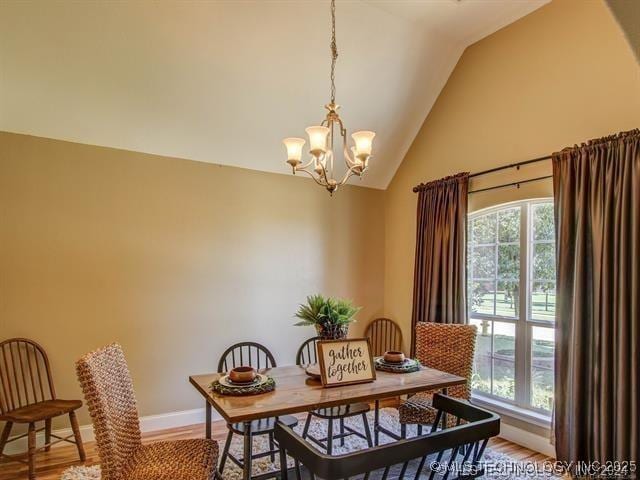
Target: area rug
[497, 465]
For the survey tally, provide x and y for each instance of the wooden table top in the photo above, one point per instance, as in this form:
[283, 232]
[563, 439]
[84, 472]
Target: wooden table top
[296, 392]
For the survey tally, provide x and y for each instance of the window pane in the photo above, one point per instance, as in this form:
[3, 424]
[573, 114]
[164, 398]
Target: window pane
[481, 378]
[507, 298]
[509, 261]
[484, 262]
[504, 351]
[544, 261]
[482, 297]
[543, 301]
[542, 348]
[543, 226]
[509, 225]
[484, 229]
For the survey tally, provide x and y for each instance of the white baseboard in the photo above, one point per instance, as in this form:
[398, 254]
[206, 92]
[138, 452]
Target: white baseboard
[150, 423]
[183, 418]
[527, 439]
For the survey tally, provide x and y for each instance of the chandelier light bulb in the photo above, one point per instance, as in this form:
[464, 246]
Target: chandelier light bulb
[317, 140]
[294, 150]
[364, 143]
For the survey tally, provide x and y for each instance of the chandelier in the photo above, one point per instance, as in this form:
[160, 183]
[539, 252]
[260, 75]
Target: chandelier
[321, 139]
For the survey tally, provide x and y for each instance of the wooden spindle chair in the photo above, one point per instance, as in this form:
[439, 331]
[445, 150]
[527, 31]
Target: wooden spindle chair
[384, 335]
[251, 354]
[308, 354]
[27, 396]
[461, 445]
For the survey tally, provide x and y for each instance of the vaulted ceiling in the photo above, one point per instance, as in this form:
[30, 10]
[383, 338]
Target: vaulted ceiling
[225, 81]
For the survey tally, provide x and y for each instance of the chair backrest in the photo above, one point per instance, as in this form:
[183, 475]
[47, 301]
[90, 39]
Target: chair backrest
[449, 348]
[473, 428]
[384, 335]
[308, 352]
[108, 390]
[25, 375]
[246, 354]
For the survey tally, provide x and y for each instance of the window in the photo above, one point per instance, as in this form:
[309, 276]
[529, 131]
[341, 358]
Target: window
[511, 300]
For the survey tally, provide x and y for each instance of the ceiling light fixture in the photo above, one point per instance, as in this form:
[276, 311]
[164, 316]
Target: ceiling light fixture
[320, 167]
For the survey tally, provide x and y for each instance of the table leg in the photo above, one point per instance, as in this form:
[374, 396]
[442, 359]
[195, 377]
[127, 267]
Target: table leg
[376, 423]
[246, 461]
[207, 426]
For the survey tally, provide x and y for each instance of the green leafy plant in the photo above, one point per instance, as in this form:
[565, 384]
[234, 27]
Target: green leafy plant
[321, 311]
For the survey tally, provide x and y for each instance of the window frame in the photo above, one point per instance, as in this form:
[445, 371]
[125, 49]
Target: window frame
[523, 322]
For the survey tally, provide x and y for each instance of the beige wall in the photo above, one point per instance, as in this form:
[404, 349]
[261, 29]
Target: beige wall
[174, 259]
[560, 75]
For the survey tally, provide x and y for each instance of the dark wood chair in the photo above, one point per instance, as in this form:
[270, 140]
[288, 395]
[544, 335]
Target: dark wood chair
[257, 356]
[466, 442]
[308, 354]
[27, 396]
[384, 335]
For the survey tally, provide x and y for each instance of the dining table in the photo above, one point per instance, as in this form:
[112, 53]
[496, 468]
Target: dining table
[297, 392]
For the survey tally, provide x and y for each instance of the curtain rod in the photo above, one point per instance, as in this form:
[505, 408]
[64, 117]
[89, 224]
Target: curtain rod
[511, 165]
[511, 184]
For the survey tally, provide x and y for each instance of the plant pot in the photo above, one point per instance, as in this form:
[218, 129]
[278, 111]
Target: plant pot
[332, 332]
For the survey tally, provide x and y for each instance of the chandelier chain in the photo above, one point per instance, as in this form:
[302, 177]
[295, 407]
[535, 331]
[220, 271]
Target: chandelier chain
[334, 51]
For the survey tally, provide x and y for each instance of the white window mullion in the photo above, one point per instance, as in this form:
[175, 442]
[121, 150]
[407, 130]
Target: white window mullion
[521, 390]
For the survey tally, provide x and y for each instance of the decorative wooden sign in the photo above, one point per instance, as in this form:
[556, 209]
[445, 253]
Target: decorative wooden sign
[345, 362]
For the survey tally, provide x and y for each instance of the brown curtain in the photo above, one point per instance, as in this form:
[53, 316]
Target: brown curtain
[439, 281]
[597, 215]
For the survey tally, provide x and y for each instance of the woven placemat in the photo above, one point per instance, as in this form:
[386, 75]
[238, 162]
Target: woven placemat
[408, 366]
[265, 387]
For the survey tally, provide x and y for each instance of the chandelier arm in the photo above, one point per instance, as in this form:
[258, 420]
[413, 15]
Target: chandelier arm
[350, 162]
[315, 179]
[349, 173]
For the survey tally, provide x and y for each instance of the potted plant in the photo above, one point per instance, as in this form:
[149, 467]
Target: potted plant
[330, 316]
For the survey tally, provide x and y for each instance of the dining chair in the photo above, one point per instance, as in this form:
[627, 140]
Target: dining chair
[448, 449]
[251, 354]
[445, 347]
[27, 396]
[108, 389]
[384, 335]
[308, 354]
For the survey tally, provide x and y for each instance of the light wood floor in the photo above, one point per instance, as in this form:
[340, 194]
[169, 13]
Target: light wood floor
[51, 464]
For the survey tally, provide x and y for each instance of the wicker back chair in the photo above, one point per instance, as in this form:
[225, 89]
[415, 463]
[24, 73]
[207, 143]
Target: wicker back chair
[445, 347]
[108, 390]
[384, 335]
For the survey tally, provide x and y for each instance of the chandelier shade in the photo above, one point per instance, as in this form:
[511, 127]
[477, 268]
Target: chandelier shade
[322, 139]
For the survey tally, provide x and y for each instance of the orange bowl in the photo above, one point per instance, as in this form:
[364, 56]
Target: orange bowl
[393, 357]
[242, 374]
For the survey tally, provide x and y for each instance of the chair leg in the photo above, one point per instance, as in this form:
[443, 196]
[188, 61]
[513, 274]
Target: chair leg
[31, 452]
[47, 434]
[76, 434]
[403, 430]
[5, 436]
[367, 431]
[225, 452]
[330, 437]
[272, 447]
[307, 424]
[342, 432]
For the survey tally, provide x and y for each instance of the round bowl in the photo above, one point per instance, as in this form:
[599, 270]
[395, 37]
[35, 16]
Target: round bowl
[242, 374]
[393, 357]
